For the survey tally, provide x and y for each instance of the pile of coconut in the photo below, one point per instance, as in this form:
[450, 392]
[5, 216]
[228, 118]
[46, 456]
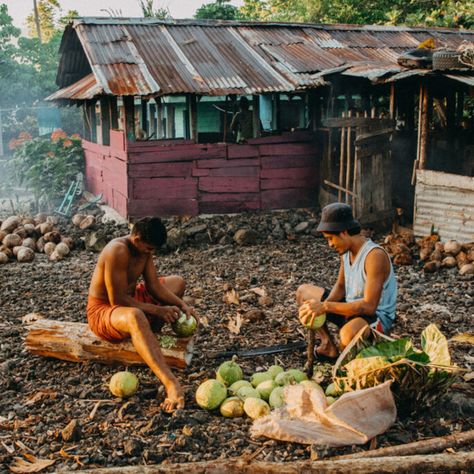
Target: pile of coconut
[404, 249]
[21, 237]
[234, 396]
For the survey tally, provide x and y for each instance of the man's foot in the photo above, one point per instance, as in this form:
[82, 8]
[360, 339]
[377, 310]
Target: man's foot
[326, 352]
[174, 400]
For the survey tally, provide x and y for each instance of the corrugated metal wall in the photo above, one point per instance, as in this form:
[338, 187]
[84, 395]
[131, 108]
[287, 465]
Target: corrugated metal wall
[445, 201]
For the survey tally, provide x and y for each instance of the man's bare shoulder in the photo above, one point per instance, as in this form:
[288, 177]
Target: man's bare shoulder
[378, 257]
[116, 248]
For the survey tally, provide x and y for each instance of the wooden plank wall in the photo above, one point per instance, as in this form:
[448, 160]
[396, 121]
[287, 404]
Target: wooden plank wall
[183, 178]
[106, 171]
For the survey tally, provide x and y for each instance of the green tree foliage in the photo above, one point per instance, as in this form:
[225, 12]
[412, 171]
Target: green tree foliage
[219, 10]
[394, 12]
[150, 11]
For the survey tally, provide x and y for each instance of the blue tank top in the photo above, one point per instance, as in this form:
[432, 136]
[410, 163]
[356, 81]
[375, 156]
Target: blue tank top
[355, 278]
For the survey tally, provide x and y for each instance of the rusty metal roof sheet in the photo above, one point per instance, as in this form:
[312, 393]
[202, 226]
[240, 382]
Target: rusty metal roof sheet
[85, 88]
[143, 57]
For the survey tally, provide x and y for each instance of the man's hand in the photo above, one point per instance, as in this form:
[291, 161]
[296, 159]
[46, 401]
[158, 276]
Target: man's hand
[309, 310]
[169, 314]
[189, 311]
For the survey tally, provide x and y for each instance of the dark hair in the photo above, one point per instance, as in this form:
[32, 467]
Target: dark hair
[353, 231]
[151, 230]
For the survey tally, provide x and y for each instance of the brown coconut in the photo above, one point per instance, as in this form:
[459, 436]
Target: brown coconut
[467, 269]
[3, 234]
[52, 219]
[452, 247]
[12, 240]
[470, 255]
[436, 256]
[10, 224]
[6, 250]
[45, 227]
[87, 222]
[29, 229]
[448, 262]
[28, 220]
[40, 243]
[53, 236]
[30, 243]
[40, 218]
[439, 247]
[25, 254]
[431, 267]
[16, 249]
[55, 256]
[425, 252]
[461, 259]
[403, 259]
[3, 258]
[68, 241]
[62, 249]
[21, 232]
[77, 219]
[49, 248]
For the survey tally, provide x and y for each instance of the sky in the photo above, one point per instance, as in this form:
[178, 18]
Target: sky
[20, 9]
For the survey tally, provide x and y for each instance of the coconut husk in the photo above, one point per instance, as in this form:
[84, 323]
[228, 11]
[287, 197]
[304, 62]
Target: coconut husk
[431, 266]
[449, 262]
[461, 259]
[467, 269]
[403, 259]
[436, 256]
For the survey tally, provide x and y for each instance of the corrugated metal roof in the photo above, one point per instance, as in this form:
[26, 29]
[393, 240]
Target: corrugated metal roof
[138, 56]
[85, 88]
[469, 80]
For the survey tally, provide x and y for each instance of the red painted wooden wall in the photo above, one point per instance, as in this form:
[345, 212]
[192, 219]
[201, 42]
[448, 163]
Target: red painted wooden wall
[183, 178]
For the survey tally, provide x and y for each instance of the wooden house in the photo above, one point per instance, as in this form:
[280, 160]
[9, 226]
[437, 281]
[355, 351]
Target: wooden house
[334, 116]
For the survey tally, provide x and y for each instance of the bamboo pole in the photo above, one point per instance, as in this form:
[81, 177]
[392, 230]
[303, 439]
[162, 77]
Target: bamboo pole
[424, 129]
[418, 141]
[392, 101]
[341, 161]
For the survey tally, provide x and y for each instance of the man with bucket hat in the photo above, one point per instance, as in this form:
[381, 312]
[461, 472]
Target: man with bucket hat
[365, 292]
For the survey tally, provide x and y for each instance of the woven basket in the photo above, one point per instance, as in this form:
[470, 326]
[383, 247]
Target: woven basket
[443, 60]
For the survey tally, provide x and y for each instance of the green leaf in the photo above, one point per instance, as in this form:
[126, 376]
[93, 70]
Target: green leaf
[393, 350]
[434, 343]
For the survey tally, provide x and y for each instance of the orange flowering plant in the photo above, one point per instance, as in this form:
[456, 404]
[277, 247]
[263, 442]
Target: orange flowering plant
[46, 166]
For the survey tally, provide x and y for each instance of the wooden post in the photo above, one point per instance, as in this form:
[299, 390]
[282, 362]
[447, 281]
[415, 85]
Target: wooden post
[392, 101]
[310, 354]
[194, 117]
[144, 116]
[349, 151]
[152, 131]
[424, 126]
[159, 118]
[170, 128]
[129, 109]
[114, 125]
[450, 109]
[255, 116]
[90, 104]
[105, 119]
[341, 161]
[459, 107]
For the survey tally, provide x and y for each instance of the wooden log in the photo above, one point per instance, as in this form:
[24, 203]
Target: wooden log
[75, 342]
[393, 464]
[418, 447]
[341, 161]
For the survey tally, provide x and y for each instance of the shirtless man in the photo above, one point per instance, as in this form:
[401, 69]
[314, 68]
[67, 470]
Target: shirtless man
[365, 292]
[119, 308]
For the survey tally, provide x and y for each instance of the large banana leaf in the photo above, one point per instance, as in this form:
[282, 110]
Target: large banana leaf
[434, 343]
[394, 351]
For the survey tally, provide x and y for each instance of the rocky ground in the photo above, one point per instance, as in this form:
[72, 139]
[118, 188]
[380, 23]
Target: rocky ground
[40, 397]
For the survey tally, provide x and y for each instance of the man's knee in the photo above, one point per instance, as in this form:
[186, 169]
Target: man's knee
[136, 320]
[351, 329]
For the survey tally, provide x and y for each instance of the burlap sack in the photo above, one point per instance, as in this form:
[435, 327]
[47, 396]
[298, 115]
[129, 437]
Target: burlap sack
[305, 418]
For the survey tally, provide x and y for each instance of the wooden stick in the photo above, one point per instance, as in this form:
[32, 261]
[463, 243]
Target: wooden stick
[418, 447]
[341, 161]
[310, 355]
[392, 464]
[424, 129]
[76, 343]
[340, 188]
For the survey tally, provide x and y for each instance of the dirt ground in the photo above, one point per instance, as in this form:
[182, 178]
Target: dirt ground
[41, 396]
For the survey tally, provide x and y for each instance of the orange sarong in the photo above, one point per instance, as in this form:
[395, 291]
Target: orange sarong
[99, 314]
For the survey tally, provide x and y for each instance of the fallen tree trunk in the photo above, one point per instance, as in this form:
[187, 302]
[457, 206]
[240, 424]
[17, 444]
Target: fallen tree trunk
[388, 465]
[417, 447]
[75, 342]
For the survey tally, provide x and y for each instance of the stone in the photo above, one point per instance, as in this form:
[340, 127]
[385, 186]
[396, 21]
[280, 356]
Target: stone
[175, 239]
[245, 237]
[301, 227]
[95, 242]
[72, 431]
[132, 447]
[195, 229]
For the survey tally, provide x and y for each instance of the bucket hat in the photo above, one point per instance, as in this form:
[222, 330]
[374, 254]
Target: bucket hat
[337, 217]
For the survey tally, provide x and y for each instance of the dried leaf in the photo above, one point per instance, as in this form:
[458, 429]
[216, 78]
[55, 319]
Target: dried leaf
[203, 321]
[235, 324]
[30, 464]
[463, 337]
[30, 317]
[231, 297]
[259, 291]
[468, 377]
[41, 395]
